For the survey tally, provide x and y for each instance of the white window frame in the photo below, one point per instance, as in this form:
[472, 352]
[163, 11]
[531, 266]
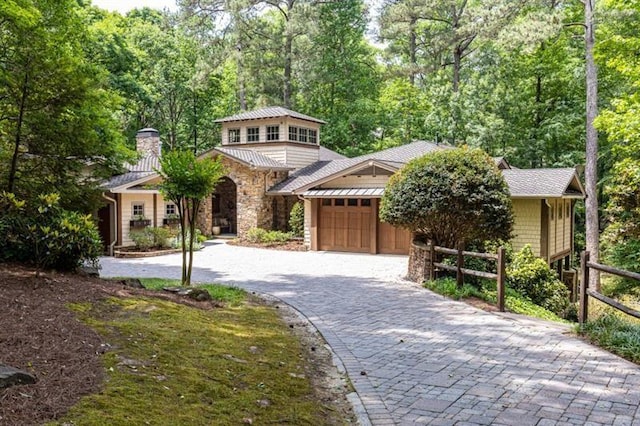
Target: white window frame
[136, 205]
[251, 136]
[234, 135]
[293, 133]
[273, 133]
[313, 136]
[168, 207]
[302, 134]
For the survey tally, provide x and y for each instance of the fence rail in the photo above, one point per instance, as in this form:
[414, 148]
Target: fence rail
[585, 270]
[461, 271]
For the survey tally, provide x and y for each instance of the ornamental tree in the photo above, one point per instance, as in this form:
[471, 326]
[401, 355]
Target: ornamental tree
[453, 196]
[187, 181]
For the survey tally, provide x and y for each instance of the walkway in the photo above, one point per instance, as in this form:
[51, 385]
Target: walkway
[417, 358]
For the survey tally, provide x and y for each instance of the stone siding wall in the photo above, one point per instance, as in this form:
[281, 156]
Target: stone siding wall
[418, 255]
[253, 206]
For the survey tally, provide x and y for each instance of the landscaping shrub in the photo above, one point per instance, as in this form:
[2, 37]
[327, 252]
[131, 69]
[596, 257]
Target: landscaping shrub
[197, 241]
[296, 220]
[263, 236]
[532, 277]
[151, 237]
[45, 234]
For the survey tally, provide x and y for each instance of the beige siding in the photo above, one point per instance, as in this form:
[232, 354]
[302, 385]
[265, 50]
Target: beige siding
[527, 214]
[354, 181]
[127, 206]
[283, 122]
[567, 224]
[276, 152]
[299, 156]
[553, 227]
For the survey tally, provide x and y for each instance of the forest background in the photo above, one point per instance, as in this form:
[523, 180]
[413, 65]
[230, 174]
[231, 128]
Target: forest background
[508, 76]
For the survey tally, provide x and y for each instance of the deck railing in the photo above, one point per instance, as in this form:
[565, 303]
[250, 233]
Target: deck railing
[585, 270]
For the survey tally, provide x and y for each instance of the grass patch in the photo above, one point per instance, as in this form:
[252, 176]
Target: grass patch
[514, 301]
[615, 334]
[174, 364]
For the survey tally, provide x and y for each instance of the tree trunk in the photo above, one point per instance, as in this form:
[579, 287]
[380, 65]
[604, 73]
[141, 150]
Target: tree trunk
[412, 51]
[457, 63]
[18, 136]
[591, 167]
[288, 47]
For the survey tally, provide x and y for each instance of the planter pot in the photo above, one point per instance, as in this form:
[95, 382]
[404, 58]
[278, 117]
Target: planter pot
[215, 230]
[140, 223]
[172, 221]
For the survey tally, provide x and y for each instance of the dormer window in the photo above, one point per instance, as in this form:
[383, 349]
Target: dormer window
[234, 135]
[293, 133]
[253, 134]
[273, 133]
[313, 136]
[302, 135]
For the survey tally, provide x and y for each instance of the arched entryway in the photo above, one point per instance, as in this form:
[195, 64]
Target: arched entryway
[224, 206]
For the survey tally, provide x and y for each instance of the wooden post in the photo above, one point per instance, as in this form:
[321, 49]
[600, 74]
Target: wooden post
[431, 260]
[501, 278]
[460, 265]
[583, 314]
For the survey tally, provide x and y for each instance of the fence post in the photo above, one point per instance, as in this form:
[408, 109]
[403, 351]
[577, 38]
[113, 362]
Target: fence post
[583, 314]
[431, 261]
[501, 278]
[460, 265]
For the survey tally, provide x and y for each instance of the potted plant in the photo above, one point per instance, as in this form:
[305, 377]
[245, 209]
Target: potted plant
[171, 219]
[139, 221]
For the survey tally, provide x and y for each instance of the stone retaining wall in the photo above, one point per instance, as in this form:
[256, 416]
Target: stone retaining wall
[418, 255]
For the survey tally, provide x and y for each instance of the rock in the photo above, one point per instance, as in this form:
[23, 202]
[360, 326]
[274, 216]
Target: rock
[199, 294]
[263, 403]
[89, 271]
[10, 376]
[132, 282]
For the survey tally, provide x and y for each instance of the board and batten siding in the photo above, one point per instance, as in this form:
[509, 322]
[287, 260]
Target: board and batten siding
[307, 222]
[526, 227]
[355, 181]
[559, 227]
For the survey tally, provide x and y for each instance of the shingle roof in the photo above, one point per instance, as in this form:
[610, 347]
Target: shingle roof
[541, 183]
[394, 157]
[252, 158]
[325, 154]
[268, 112]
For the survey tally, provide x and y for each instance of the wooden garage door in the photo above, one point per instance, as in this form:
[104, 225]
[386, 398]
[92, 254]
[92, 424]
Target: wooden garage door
[345, 224]
[392, 240]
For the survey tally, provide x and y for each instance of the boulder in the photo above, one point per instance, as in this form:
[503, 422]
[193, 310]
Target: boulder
[10, 376]
[132, 282]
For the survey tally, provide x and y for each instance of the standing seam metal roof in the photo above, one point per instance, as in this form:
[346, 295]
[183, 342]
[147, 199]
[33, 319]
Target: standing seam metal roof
[268, 112]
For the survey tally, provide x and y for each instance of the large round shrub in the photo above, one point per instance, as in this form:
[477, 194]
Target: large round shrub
[450, 196]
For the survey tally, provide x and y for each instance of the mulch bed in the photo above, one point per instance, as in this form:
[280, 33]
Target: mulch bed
[293, 245]
[40, 335]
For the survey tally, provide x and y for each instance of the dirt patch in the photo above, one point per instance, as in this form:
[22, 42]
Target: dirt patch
[39, 334]
[293, 245]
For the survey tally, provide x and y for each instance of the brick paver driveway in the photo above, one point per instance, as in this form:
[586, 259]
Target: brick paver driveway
[416, 358]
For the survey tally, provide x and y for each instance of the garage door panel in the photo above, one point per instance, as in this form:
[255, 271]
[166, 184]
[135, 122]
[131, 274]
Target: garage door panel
[392, 240]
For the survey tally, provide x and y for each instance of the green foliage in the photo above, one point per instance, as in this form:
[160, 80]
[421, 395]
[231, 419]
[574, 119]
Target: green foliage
[232, 296]
[263, 236]
[450, 196]
[615, 334]
[296, 220]
[514, 301]
[532, 277]
[45, 234]
[152, 237]
[187, 180]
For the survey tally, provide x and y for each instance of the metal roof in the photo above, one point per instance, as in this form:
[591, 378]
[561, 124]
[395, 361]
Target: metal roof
[325, 154]
[543, 183]
[252, 158]
[268, 112]
[344, 193]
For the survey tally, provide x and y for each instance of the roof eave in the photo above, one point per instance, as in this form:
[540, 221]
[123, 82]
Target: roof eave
[347, 170]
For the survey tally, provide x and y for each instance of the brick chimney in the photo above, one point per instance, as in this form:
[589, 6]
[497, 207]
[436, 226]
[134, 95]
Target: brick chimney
[148, 142]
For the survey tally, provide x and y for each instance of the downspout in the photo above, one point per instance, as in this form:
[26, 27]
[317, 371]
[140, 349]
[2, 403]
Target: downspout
[115, 220]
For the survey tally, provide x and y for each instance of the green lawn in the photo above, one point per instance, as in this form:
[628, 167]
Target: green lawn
[171, 364]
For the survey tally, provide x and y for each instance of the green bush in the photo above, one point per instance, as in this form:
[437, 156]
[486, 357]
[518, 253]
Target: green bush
[198, 241]
[296, 220]
[45, 234]
[263, 236]
[532, 277]
[151, 237]
[450, 196]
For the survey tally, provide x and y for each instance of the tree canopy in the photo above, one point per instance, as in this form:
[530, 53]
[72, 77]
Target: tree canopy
[454, 196]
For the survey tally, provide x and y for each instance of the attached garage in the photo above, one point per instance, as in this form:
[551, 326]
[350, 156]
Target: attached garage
[352, 225]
